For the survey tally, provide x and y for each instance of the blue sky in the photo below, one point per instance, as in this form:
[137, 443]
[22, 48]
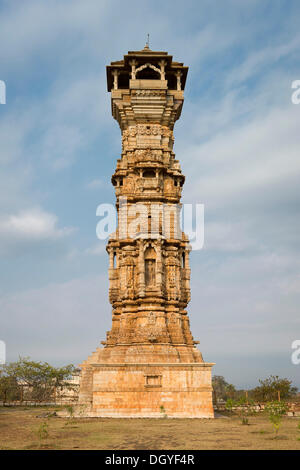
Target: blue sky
[238, 143]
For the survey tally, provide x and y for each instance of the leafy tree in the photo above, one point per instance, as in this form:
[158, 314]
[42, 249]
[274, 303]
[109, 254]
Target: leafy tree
[269, 388]
[222, 389]
[40, 377]
[9, 389]
[230, 390]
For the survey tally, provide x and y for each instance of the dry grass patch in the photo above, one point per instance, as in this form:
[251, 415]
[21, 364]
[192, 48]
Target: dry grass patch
[20, 428]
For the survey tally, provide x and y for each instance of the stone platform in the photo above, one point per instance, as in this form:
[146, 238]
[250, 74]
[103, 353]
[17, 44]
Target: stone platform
[151, 391]
[146, 390]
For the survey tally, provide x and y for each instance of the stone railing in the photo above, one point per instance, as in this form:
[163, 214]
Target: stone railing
[293, 408]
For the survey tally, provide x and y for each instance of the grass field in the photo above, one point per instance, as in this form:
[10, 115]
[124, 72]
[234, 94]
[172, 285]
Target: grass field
[22, 428]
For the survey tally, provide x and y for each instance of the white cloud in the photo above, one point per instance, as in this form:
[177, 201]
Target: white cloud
[63, 321]
[228, 236]
[241, 163]
[95, 184]
[31, 28]
[98, 249]
[28, 229]
[261, 60]
[244, 311]
[34, 224]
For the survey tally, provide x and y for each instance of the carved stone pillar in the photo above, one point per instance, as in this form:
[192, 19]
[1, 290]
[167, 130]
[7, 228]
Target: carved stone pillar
[133, 64]
[178, 76]
[115, 75]
[141, 269]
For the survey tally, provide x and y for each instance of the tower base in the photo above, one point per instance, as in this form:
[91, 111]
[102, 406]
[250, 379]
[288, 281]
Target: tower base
[152, 390]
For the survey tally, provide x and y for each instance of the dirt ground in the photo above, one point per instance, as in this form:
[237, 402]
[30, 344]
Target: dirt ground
[28, 428]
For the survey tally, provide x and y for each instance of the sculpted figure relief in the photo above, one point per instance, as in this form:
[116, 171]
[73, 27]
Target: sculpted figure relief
[150, 272]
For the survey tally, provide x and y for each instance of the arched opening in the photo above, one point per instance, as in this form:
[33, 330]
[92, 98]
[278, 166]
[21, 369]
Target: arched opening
[148, 74]
[149, 174]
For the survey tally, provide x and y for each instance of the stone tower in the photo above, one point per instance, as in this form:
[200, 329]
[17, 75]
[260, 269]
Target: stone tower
[149, 363]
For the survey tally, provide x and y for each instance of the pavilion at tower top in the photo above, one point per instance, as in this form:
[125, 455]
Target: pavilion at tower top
[146, 87]
[146, 65]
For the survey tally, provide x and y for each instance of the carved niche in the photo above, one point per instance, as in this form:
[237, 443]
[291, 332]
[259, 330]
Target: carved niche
[150, 267]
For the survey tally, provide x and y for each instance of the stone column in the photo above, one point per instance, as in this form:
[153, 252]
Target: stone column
[178, 75]
[141, 269]
[162, 65]
[115, 74]
[159, 268]
[133, 64]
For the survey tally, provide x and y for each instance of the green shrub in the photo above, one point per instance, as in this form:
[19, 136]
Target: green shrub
[276, 410]
[230, 403]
